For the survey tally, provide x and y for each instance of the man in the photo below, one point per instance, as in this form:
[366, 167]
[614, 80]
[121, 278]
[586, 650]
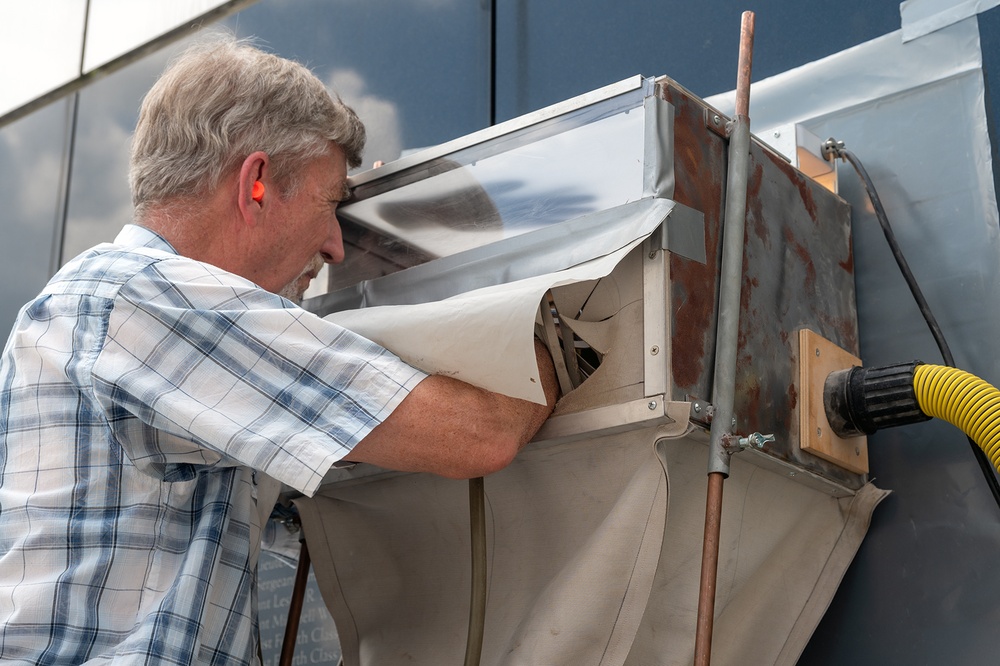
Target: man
[156, 393]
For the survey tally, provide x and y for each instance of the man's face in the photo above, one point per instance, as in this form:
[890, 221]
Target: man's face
[303, 230]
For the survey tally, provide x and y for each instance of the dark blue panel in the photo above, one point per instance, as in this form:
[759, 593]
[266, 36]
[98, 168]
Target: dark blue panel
[549, 50]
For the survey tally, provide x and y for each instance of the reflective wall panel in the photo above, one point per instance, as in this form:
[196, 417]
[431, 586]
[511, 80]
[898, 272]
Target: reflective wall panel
[99, 201]
[116, 27]
[32, 165]
[40, 45]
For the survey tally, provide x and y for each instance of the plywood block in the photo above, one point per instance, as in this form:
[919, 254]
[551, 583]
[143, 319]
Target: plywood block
[818, 357]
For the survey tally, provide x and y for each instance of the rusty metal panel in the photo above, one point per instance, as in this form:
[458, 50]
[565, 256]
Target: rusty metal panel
[798, 273]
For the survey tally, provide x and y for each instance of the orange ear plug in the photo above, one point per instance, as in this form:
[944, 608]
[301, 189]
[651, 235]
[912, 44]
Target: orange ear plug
[257, 193]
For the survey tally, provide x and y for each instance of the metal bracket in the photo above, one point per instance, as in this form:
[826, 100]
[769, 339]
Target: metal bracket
[702, 413]
[643, 413]
[716, 122]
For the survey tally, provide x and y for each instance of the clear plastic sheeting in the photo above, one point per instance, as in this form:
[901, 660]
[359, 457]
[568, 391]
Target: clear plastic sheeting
[467, 204]
[530, 196]
[551, 249]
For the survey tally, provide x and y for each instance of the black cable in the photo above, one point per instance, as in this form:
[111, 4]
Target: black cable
[836, 149]
[477, 604]
[897, 253]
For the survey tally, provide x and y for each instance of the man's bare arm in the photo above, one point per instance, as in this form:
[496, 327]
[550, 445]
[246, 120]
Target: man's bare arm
[457, 430]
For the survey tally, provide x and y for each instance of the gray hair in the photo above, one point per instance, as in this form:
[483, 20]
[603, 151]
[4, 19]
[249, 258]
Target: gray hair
[222, 100]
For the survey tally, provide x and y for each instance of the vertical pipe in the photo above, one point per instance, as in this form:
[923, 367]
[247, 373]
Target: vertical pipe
[477, 604]
[727, 333]
[709, 568]
[295, 607]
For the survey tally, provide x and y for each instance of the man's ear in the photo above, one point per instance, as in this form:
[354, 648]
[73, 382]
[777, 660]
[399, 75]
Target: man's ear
[254, 188]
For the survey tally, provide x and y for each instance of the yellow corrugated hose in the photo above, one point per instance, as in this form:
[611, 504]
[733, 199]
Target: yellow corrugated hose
[963, 400]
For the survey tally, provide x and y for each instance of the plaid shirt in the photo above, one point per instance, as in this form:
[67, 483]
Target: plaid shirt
[149, 404]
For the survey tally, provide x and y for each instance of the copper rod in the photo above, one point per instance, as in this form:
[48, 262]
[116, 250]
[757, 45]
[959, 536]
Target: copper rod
[295, 607]
[745, 65]
[709, 570]
[726, 342]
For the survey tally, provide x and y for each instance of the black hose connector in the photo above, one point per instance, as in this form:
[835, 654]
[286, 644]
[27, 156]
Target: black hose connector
[860, 401]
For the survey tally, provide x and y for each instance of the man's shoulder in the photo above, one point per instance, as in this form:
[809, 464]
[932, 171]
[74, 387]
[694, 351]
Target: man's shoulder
[104, 269]
[144, 274]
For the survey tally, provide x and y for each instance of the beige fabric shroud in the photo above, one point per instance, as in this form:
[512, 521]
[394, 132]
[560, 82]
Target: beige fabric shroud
[589, 563]
[594, 546]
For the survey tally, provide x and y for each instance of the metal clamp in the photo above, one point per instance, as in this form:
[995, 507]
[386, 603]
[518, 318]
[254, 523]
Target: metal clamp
[734, 443]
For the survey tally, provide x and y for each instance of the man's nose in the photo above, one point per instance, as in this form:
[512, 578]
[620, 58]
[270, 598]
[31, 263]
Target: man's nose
[333, 248]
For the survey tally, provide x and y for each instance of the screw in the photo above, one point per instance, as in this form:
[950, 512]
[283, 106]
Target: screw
[652, 405]
[857, 451]
[652, 255]
[716, 119]
[777, 134]
[817, 351]
[792, 473]
[819, 432]
[654, 350]
[697, 408]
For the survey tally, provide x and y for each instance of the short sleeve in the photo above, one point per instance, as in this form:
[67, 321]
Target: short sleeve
[202, 368]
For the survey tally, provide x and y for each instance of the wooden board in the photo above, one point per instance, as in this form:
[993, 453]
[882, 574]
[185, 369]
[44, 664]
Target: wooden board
[818, 357]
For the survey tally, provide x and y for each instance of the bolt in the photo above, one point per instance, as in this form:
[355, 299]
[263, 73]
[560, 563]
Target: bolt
[652, 405]
[756, 440]
[654, 350]
[734, 422]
